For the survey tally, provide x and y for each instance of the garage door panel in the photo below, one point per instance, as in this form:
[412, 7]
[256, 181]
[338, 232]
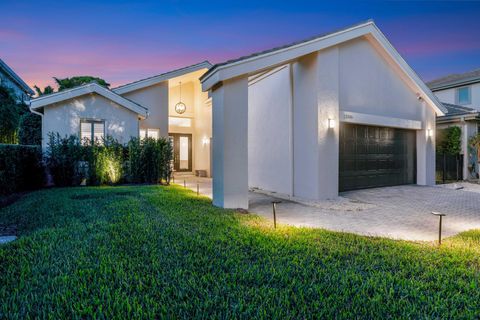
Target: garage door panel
[375, 157]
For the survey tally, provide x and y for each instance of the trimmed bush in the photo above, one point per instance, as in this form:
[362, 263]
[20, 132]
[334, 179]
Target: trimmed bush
[449, 141]
[107, 162]
[63, 158]
[30, 129]
[21, 168]
[149, 160]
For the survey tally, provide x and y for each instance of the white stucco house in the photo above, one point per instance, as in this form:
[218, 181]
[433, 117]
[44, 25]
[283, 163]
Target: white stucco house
[337, 112]
[460, 94]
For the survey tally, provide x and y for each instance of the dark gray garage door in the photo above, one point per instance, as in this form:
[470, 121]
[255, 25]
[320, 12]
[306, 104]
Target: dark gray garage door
[376, 157]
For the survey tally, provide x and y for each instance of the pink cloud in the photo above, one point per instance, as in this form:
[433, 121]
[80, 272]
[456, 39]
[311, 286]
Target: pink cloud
[6, 34]
[438, 47]
[117, 67]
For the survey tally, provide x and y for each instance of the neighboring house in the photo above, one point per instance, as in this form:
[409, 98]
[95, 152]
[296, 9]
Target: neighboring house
[460, 94]
[337, 112]
[10, 79]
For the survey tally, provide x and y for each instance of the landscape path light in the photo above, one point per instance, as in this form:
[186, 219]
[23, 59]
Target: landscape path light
[441, 215]
[274, 208]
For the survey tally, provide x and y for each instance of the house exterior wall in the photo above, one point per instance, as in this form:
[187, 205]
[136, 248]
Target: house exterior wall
[6, 81]
[292, 151]
[199, 111]
[188, 97]
[449, 95]
[203, 130]
[368, 84]
[64, 118]
[155, 98]
[374, 87]
[269, 132]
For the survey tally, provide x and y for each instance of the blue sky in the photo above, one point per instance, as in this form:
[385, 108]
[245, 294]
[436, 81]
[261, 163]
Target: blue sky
[123, 41]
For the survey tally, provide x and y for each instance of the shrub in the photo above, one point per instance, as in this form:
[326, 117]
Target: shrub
[21, 168]
[149, 160]
[105, 159]
[64, 158]
[449, 141]
[108, 162]
[30, 129]
[9, 115]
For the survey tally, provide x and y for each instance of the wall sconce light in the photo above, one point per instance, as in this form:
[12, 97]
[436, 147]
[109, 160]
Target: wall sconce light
[331, 123]
[205, 141]
[429, 132]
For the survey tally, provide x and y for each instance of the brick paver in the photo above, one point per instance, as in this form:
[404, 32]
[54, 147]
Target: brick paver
[402, 212]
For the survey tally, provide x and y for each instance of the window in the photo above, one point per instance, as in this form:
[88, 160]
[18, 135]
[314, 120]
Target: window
[92, 130]
[180, 122]
[150, 133]
[463, 95]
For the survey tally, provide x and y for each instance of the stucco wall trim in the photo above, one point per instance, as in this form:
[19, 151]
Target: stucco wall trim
[369, 119]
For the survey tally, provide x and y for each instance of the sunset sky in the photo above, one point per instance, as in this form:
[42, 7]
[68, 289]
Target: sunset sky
[124, 41]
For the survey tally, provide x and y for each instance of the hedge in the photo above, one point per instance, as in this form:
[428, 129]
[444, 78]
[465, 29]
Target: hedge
[30, 129]
[73, 162]
[21, 168]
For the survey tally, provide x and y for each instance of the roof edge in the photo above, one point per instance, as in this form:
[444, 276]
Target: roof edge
[16, 78]
[147, 82]
[57, 97]
[282, 48]
[214, 75]
[454, 83]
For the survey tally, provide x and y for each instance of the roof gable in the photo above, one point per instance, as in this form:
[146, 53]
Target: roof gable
[50, 99]
[264, 60]
[160, 78]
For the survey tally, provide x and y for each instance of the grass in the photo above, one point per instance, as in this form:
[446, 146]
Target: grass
[163, 252]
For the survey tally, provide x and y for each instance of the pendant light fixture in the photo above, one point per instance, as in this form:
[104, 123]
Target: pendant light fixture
[180, 107]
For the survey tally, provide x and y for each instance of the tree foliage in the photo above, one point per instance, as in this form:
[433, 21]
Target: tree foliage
[449, 140]
[68, 83]
[10, 112]
[46, 90]
[21, 168]
[30, 129]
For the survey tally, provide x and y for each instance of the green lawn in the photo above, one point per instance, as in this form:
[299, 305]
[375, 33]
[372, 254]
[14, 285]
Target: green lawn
[163, 252]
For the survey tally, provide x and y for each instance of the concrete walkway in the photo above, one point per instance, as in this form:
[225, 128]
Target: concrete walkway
[191, 182]
[402, 212]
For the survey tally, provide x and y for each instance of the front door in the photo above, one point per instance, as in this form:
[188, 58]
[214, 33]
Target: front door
[182, 151]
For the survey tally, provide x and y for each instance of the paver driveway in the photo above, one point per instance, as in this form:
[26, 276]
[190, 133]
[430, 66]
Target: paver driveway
[402, 212]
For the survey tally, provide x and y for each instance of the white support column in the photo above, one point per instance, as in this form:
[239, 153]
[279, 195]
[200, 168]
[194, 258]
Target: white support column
[315, 101]
[426, 148]
[305, 127]
[328, 108]
[230, 144]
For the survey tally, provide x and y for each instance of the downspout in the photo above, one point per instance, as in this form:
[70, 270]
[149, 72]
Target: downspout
[37, 113]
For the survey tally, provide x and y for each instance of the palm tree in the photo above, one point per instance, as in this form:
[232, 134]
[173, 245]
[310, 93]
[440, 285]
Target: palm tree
[46, 90]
